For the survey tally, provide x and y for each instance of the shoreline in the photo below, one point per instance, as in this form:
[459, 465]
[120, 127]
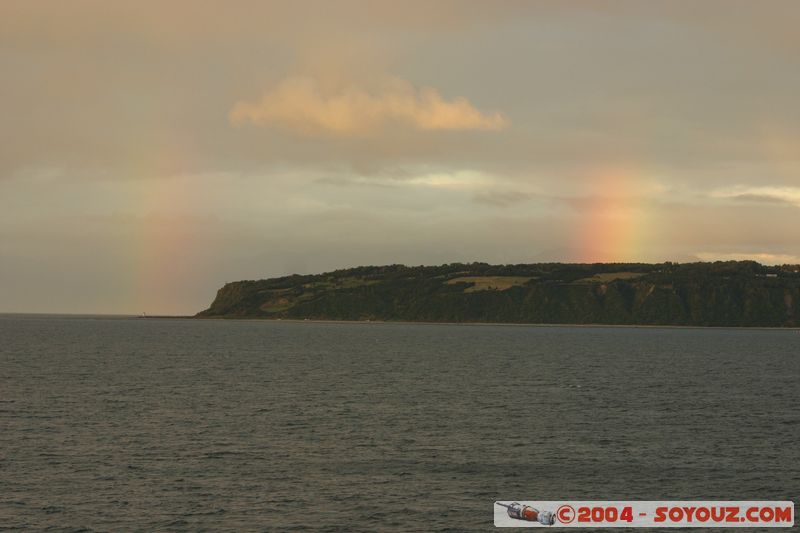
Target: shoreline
[513, 324]
[392, 322]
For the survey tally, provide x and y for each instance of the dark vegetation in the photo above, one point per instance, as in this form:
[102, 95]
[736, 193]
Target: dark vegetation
[734, 293]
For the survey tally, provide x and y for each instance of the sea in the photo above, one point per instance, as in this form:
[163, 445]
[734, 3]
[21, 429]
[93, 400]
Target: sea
[132, 424]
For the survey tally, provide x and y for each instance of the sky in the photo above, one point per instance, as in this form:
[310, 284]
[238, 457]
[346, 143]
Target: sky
[151, 151]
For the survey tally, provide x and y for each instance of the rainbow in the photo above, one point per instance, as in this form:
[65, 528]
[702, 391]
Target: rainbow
[167, 241]
[612, 225]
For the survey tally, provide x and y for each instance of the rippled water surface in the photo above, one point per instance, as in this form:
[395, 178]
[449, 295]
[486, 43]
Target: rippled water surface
[111, 424]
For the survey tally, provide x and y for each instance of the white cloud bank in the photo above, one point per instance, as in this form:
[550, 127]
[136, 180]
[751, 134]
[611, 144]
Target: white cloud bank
[789, 195]
[761, 257]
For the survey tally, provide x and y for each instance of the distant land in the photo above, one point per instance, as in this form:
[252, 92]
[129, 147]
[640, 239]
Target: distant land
[731, 293]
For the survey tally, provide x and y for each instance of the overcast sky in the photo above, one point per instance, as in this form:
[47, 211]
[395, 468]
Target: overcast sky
[152, 151]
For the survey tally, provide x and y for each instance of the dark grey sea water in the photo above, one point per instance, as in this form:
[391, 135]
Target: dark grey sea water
[110, 424]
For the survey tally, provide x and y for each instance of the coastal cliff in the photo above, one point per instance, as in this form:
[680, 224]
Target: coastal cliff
[731, 293]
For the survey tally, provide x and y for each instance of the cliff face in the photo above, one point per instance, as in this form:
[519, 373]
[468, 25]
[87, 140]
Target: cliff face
[698, 294]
